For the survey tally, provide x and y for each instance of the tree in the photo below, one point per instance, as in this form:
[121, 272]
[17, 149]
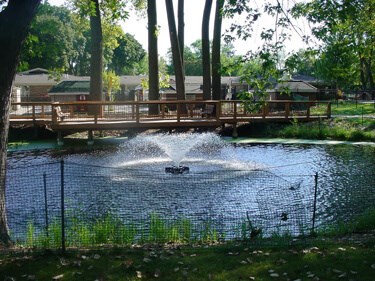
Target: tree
[176, 51]
[112, 11]
[216, 50]
[153, 65]
[111, 82]
[15, 19]
[347, 32]
[231, 64]
[51, 39]
[206, 60]
[127, 55]
[181, 31]
[96, 60]
[302, 62]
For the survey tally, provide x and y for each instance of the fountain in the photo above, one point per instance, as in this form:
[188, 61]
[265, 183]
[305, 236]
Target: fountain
[177, 146]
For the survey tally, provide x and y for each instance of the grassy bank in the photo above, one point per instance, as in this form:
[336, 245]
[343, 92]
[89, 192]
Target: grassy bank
[345, 129]
[346, 259]
[333, 255]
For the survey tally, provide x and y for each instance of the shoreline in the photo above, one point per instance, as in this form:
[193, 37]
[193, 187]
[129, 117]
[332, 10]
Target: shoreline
[52, 144]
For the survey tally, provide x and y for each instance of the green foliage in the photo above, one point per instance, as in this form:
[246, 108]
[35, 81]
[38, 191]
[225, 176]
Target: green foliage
[360, 224]
[59, 41]
[261, 76]
[127, 56]
[111, 83]
[347, 34]
[51, 40]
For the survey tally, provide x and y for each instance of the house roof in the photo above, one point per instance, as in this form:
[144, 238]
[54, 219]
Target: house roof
[77, 87]
[39, 78]
[296, 86]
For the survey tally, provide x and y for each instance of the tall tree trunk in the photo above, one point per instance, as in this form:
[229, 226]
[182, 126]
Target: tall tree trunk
[96, 60]
[216, 43]
[153, 61]
[181, 31]
[15, 20]
[370, 76]
[176, 54]
[206, 60]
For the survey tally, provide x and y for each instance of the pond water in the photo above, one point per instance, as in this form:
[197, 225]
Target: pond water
[271, 183]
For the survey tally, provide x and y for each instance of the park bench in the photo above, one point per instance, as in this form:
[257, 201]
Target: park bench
[61, 115]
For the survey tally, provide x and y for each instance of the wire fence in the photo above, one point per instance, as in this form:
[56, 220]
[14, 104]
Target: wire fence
[63, 204]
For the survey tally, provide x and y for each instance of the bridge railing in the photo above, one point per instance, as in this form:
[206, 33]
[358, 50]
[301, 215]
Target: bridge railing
[31, 110]
[180, 111]
[271, 109]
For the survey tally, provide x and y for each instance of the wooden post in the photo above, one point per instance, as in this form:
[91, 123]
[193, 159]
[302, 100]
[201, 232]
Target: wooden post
[60, 139]
[329, 110]
[264, 111]
[137, 112]
[162, 110]
[308, 111]
[178, 112]
[234, 110]
[287, 109]
[234, 132]
[90, 139]
[33, 110]
[218, 110]
[54, 114]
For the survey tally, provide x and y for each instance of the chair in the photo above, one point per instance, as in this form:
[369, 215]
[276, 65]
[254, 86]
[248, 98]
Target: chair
[61, 115]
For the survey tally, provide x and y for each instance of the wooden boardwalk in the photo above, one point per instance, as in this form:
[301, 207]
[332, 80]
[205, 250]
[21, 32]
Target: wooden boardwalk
[88, 116]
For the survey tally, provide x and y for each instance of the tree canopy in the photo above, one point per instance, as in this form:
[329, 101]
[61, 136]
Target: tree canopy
[59, 40]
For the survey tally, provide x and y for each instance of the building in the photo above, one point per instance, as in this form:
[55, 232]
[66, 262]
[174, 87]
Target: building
[38, 85]
[34, 84]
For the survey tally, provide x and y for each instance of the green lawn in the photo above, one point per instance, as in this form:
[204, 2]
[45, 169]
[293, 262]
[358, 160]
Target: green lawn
[333, 260]
[351, 108]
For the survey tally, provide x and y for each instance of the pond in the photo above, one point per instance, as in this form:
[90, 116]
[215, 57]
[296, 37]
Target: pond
[271, 185]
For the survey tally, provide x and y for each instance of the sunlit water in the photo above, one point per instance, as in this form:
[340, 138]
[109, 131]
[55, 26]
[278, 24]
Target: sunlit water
[226, 182]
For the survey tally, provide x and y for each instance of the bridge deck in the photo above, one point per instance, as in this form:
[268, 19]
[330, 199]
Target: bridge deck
[125, 115]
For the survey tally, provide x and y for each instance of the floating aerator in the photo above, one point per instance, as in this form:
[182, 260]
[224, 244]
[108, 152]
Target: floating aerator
[177, 170]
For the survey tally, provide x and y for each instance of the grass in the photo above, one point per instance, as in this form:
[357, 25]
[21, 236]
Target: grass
[362, 224]
[333, 260]
[344, 129]
[110, 230]
[352, 108]
[336, 254]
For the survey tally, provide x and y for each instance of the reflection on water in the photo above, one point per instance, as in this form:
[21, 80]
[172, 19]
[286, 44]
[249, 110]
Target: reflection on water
[273, 183]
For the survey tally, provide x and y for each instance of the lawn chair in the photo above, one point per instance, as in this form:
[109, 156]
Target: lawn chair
[61, 115]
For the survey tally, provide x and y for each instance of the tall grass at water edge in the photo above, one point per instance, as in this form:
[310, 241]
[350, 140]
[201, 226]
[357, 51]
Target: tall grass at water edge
[338, 129]
[111, 230]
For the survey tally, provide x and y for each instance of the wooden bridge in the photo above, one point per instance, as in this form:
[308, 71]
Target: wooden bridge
[124, 115]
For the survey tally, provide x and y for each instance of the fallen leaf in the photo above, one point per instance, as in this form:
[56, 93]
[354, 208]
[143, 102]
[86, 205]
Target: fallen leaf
[58, 277]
